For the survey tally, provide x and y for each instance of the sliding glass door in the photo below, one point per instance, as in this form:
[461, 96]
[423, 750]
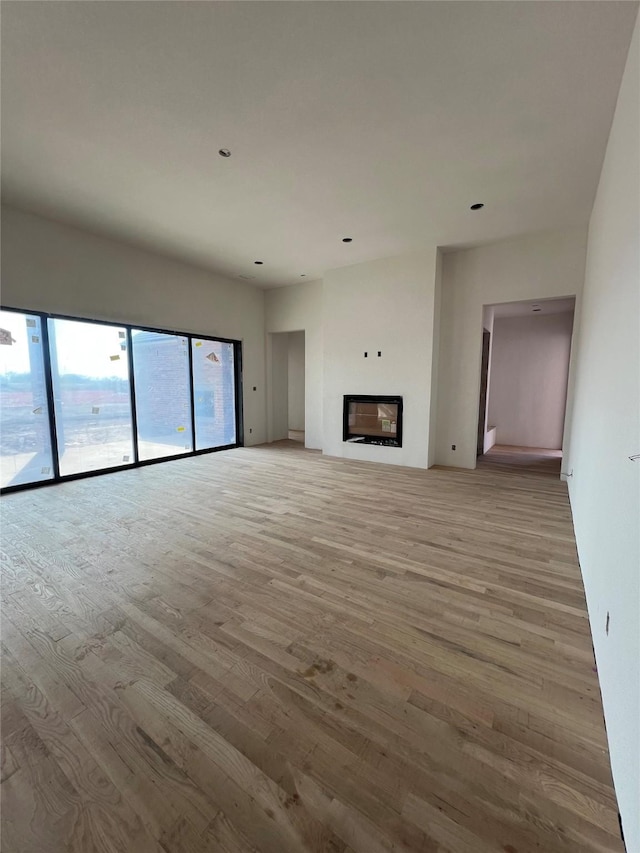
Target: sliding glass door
[162, 393]
[214, 393]
[79, 397]
[25, 433]
[92, 396]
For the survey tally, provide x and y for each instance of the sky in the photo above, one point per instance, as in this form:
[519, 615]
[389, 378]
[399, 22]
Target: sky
[86, 348]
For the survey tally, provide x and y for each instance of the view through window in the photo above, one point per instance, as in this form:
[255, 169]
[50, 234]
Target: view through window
[108, 407]
[25, 434]
[92, 399]
[213, 392]
[163, 401]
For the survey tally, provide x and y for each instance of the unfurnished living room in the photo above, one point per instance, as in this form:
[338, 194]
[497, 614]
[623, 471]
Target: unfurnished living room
[320, 427]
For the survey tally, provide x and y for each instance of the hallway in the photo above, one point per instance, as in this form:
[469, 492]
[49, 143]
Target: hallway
[522, 460]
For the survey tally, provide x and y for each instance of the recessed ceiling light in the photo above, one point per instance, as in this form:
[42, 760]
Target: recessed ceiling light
[259, 263]
[477, 206]
[347, 239]
[224, 152]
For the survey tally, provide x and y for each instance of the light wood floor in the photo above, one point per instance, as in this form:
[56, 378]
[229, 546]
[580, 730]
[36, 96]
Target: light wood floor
[522, 460]
[268, 650]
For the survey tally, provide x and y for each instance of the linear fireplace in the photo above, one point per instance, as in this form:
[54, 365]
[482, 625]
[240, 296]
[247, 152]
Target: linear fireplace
[372, 420]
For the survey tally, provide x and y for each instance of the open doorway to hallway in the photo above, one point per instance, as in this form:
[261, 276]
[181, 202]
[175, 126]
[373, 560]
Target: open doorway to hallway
[295, 386]
[523, 386]
[287, 396]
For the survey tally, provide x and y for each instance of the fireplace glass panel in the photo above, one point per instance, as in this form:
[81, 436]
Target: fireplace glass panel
[376, 419]
[373, 420]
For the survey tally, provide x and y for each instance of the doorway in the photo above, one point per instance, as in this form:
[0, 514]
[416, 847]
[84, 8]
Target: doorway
[526, 349]
[484, 386]
[286, 399]
[295, 386]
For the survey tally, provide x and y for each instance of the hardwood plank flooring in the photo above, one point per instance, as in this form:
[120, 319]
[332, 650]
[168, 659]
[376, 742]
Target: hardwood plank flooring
[522, 460]
[270, 650]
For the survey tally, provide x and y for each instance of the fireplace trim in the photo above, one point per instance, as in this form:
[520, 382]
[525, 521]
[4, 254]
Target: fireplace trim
[355, 438]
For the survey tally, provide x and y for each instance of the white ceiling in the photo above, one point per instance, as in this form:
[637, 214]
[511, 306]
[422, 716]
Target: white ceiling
[380, 121]
[546, 306]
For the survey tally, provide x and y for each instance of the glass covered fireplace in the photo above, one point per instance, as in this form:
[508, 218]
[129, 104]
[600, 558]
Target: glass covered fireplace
[372, 420]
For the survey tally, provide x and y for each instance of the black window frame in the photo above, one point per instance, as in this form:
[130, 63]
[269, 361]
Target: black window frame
[137, 462]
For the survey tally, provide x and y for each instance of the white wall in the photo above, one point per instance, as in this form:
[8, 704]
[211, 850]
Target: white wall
[290, 309]
[529, 371]
[386, 306]
[489, 439]
[277, 386]
[488, 317]
[536, 266]
[50, 267]
[296, 380]
[435, 359]
[605, 487]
